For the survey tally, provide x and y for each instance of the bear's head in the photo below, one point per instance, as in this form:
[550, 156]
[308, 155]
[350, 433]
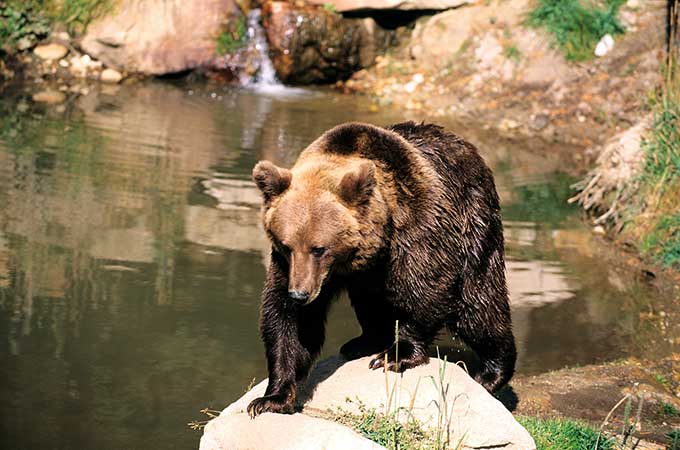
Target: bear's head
[319, 217]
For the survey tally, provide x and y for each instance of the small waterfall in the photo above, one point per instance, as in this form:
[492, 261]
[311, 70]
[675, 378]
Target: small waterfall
[265, 79]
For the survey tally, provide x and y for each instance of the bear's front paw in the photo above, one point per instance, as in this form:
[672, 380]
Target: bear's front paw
[362, 346]
[276, 403]
[409, 356]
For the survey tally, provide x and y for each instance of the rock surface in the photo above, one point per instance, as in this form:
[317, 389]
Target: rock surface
[280, 432]
[312, 45]
[159, 36]
[474, 417]
[363, 5]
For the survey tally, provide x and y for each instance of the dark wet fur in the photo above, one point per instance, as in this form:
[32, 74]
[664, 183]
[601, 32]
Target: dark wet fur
[442, 265]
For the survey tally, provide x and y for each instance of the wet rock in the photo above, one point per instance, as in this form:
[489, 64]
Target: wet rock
[312, 45]
[280, 432]
[161, 36]
[476, 418]
[110, 76]
[83, 66]
[362, 5]
[50, 52]
[49, 96]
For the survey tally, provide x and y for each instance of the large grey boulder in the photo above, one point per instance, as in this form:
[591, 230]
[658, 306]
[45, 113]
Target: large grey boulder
[434, 393]
[161, 36]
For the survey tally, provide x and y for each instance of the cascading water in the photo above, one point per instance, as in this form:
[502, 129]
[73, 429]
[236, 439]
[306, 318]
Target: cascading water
[266, 75]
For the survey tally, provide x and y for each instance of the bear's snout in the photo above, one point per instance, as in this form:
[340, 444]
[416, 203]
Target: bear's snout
[299, 296]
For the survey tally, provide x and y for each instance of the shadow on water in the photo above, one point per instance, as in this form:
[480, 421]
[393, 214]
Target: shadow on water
[131, 259]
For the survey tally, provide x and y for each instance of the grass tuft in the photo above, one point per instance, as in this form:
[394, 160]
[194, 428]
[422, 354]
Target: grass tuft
[385, 429]
[660, 177]
[561, 434]
[234, 39]
[577, 26]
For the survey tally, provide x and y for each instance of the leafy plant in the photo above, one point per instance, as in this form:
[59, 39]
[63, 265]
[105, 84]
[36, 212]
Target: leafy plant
[669, 410]
[232, 40]
[21, 26]
[575, 27]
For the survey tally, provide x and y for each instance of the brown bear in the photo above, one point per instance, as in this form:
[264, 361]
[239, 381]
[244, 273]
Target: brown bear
[407, 220]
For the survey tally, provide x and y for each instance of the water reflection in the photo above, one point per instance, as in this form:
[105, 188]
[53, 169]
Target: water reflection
[131, 259]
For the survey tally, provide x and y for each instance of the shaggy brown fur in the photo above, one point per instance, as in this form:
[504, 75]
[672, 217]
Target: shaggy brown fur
[407, 220]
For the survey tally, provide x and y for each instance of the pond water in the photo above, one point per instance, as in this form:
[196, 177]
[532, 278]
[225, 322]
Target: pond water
[131, 259]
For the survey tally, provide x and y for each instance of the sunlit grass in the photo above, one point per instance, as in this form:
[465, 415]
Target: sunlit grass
[561, 434]
[577, 25]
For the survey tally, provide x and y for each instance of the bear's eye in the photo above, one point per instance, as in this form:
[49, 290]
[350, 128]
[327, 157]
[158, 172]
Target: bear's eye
[283, 248]
[318, 251]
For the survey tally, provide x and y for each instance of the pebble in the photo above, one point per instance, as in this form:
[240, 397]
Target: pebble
[110, 76]
[50, 52]
[49, 96]
[599, 229]
[605, 45]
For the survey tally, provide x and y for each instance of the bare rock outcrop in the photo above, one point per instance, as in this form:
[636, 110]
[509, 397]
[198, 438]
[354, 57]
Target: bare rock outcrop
[436, 393]
[157, 37]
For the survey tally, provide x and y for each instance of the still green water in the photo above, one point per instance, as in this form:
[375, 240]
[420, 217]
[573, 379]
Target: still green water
[131, 259]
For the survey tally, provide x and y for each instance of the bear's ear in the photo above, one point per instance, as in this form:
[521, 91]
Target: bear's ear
[357, 186]
[271, 180]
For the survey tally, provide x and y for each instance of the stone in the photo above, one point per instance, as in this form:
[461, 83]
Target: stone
[110, 76]
[49, 96]
[365, 5]
[312, 45]
[158, 37]
[475, 418]
[605, 45]
[280, 432]
[50, 52]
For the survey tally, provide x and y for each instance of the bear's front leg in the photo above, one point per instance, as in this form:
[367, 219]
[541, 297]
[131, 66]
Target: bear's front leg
[293, 335]
[409, 352]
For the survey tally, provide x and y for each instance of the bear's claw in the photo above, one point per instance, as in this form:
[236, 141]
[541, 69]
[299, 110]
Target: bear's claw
[275, 403]
[412, 359]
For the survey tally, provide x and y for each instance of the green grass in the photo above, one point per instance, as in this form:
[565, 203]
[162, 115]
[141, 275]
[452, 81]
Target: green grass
[386, 430]
[660, 177]
[577, 25]
[669, 410]
[512, 53]
[562, 434]
[233, 39]
[673, 439]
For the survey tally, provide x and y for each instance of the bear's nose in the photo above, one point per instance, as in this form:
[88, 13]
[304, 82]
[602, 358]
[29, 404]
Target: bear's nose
[299, 296]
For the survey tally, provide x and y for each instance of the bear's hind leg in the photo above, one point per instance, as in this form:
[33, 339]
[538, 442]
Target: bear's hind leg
[484, 323]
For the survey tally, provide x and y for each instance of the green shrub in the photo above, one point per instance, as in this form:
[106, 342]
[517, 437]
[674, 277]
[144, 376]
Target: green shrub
[21, 26]
[576, 27]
